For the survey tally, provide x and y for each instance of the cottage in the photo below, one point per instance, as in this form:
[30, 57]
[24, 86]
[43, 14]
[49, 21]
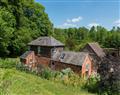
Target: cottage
[44, 48]
[79, 62]
[96, 53]
[50, 52]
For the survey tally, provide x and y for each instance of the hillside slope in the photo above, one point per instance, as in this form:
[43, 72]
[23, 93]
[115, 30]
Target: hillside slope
[14, 82]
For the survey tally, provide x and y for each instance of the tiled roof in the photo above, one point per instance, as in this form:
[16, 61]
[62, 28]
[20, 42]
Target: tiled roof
[97, 49]
[25, 54]
[46, 41]
[68, 57]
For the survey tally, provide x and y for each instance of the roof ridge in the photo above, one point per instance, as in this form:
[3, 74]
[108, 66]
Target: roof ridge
[46, 41]
[97, 49]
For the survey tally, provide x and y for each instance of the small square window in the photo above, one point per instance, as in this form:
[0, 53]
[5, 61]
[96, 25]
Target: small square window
[62, 56]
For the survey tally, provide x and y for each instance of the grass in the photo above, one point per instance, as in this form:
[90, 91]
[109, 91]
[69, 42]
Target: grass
[8, 62]
[14, 82]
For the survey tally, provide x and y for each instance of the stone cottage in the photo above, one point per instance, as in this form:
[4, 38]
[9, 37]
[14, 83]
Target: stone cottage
[50, 52]
[44, 48]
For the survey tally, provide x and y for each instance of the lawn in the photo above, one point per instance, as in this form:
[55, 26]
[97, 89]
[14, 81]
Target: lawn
[14, 82]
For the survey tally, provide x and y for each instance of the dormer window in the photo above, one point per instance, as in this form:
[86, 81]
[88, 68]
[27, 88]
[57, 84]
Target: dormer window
[62, 56]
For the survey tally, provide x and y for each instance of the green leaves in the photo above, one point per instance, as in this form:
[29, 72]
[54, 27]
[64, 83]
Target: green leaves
[20, 22]
[7, 21]
[77, 38]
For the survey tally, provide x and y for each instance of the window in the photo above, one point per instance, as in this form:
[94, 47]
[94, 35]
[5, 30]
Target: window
[53, 66]
[62, 56]
[53, 50]
[53, 63]
[87, 67]
[31, 61]
[23, 61]
[39, 49]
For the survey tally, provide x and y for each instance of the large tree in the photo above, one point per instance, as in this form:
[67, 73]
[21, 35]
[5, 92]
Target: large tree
[20, 22]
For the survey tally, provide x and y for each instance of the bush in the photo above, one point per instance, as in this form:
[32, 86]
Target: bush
[47, 74]
[66, 76]
[8, 62]
[92, 84]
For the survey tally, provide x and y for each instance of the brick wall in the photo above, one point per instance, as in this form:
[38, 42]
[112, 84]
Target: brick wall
[55, 65]
[60, 66]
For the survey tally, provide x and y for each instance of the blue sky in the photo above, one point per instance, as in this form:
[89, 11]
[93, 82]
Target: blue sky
[77, 13]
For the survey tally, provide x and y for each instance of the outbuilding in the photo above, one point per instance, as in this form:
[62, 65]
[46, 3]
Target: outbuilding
[79, 62]
[95, 52]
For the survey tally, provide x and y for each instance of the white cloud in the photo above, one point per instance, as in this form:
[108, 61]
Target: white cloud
[118, 25]
[74, 20]
[66, 25]
[93, 24]
[70, 22]
[117, 22]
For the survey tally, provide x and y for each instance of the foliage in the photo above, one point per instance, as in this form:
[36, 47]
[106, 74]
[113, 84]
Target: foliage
[109, 76]
[76, 38]
[11, 77]
[66, 76]
[20, 22]
[92, 84]
[47, 74]
[7, 22]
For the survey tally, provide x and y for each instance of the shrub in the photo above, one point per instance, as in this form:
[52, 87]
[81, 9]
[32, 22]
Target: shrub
[68, 77]
[47, 74]
[92, 84]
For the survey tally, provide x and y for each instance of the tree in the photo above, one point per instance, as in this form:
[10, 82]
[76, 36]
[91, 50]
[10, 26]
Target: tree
[7, 22]
[20, 22]
[109, 76]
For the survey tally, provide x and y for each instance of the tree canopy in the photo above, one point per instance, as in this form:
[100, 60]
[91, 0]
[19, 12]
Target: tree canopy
[76, 38]
[21, 21]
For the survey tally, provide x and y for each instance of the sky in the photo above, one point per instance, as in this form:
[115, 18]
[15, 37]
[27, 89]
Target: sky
[78, 13]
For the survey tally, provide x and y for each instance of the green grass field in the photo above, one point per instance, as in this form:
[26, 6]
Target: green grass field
[14, 82]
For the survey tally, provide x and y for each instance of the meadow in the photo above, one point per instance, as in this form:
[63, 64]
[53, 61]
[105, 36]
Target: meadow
[16, 82]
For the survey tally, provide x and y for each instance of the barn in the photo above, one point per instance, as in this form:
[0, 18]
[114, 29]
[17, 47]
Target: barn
[79, 62]
[95, 52]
